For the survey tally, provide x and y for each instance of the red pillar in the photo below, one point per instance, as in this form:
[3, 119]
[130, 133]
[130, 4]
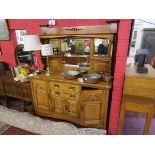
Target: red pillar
[120, 66]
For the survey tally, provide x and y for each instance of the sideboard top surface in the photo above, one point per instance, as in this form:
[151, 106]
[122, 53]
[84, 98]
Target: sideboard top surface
[131, 72]
[58, 77]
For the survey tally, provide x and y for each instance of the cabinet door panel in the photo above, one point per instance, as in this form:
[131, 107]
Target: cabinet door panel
[39, 84]
[58, 105]
[73, 108]
[41, 99]
[92, 106]
[92, 112]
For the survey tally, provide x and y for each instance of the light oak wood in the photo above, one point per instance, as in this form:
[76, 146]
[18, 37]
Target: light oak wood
[82, 103]
[97, 63]
[138, 95]
[70, 100]
[92, 108]
[80, 30]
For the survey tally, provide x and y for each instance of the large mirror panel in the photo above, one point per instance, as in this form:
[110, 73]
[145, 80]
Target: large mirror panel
[76, 51]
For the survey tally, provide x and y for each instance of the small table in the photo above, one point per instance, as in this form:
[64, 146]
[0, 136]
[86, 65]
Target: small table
[138, 95]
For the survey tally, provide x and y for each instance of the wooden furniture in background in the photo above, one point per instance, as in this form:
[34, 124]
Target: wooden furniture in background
[70, 100]
[1, 88]
[138, 95]
[11, 88]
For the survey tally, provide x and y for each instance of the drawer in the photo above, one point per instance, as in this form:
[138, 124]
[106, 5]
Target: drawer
[139, 82]
[64, 87]
[93, 95]
[101, 65]
[71, 96]
[60, 93]
[150, 93]
[39, 84]
[71, 88]
[57, 93]
[55, 85]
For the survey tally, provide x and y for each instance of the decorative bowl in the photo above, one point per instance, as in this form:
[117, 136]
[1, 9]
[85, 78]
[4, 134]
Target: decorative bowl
[91, 78]
[106, 77]
[70, 75]
[82, 71]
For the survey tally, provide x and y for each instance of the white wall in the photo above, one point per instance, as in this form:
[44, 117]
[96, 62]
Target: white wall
[139, 26]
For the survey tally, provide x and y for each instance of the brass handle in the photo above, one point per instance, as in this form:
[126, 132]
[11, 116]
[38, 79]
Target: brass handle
[57, 93]
[56, 85]
[72, 96]
[73, 29]
[72, 88]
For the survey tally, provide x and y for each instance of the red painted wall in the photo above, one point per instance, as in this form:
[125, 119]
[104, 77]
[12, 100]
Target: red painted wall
[33, 27]
[120, 66]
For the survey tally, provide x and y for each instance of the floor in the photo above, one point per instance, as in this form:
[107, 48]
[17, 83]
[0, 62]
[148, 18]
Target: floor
[17, 105]
[16, 131]
[133, 125]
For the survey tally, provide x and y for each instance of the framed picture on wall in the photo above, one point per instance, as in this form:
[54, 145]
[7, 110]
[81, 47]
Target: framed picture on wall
[4, 31]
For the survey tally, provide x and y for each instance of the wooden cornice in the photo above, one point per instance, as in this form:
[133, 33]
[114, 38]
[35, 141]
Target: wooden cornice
[80, 30]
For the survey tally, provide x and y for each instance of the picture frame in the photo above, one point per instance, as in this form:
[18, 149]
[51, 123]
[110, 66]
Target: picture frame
[4, 31]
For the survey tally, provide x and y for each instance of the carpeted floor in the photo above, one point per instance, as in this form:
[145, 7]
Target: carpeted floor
[133, 125]
[16, 131]
[3, 127]
[37, 125]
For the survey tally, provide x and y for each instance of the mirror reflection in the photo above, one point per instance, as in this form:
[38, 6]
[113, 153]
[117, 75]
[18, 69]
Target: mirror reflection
[101, 46]
[55, 45]
[76, 51]
[23, 57]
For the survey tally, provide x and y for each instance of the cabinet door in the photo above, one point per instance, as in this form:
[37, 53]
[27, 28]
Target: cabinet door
[73, 108]
[41, 99]
[92, 107]
[58, 105]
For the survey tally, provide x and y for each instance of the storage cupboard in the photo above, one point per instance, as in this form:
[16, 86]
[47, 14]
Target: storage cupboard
[81, 103]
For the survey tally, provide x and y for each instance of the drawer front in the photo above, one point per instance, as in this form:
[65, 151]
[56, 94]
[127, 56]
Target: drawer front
[57, 93]
[100, 65]
[65, 87]
[39, 84]
[55, 85]
[139, 82]
[93, 95]
[139, 92]
[72, 97]
[71, 88]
